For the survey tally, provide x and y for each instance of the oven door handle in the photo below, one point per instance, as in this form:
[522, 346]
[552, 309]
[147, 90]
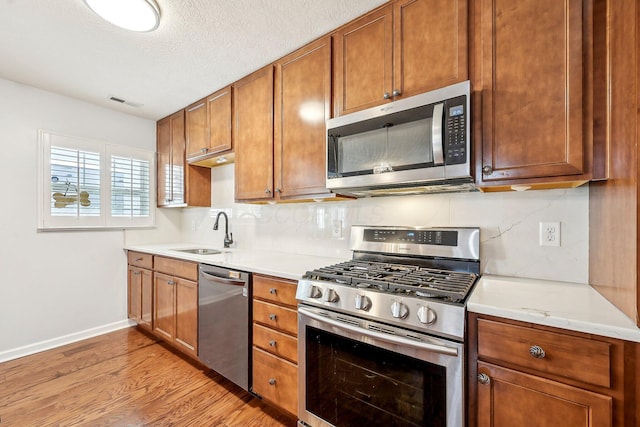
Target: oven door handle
[394, 339]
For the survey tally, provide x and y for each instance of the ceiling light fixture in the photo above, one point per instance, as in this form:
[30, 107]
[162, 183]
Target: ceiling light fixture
[134, 15]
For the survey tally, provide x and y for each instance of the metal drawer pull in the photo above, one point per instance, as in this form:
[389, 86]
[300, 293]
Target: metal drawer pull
[272, 381]
[136, 273]
[537, 352]
[273, 291]
[171, 282]
[272, 343]
[272, 316]
[139, 259]
[483, 378]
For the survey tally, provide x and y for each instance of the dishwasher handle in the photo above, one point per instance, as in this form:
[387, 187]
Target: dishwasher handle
[222, 280]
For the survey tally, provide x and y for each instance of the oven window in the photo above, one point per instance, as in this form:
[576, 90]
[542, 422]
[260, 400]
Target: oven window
[350, 383]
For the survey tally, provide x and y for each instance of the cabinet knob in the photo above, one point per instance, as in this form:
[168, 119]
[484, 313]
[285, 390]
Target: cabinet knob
[136, 273]
[267, 191]
[486, 169]
[272, 317]
[203, 150]
[396, 92]
[139, 259]
[483, 378]
[278, 190]
[272, 343]
[386, 95]
[273, 291]
[272, 381]
[537, 352]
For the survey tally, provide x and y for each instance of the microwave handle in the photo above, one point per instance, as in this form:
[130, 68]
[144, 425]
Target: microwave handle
[436, 135]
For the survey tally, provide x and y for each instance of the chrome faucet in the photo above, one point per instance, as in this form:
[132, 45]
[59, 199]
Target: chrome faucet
[227, 240]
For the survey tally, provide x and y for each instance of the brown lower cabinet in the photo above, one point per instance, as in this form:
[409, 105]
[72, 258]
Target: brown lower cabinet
[275, 342]
[527, 374]
[163, 298]
[140, 289]
[175, 308]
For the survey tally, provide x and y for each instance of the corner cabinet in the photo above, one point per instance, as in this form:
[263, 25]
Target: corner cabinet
[253, 136]
[532, 78]
[140, 289]
[525, 374]
[179, 184]
[275, 342]
[400, 50]
[175, 308]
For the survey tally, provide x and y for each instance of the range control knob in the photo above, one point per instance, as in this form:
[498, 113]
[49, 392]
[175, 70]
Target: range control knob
[363, 302]
[331, 296]
[399, 310]
[315, 292]
[426, 315]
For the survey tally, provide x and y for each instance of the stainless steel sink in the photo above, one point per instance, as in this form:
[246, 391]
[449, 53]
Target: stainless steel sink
[199, 251]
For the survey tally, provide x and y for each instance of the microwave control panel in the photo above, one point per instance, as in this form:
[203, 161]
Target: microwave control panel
[456, 130]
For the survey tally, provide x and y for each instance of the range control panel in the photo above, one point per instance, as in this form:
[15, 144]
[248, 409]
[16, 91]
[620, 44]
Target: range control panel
[420, 237]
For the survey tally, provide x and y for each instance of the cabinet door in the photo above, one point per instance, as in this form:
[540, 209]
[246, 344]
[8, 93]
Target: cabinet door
[529, 77]
[430, 45]
[510, 398]
[364, 62]
[197, 130]
[164, 320]
[135, 293]
[163, 143]
[177, 159]
[187, 316]
[219, 118]
[253, 136]
[302, 102]
[146, 296]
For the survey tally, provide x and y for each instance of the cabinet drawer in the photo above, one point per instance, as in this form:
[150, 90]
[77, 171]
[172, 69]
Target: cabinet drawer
[567, 356]
[140, 259]
[176, 267]
[276, 290]
[275, 316]
[275, 342]
[276, 380]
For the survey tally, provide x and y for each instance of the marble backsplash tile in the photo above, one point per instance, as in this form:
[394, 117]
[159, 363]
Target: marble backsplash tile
[509, 224]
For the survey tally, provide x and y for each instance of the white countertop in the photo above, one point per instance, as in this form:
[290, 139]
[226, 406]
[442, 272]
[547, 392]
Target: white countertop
[572, 306]
[280, 264]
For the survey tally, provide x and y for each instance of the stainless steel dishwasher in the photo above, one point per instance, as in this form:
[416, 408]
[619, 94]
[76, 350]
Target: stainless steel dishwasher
[223, 322]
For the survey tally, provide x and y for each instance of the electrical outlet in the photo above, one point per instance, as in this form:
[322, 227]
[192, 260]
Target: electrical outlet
[336, 229]
[549, 233]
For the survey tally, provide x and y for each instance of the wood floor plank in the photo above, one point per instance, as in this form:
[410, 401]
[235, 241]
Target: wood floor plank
[124, 378]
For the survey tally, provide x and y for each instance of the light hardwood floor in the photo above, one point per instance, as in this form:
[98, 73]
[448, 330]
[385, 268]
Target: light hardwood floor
[124, 378]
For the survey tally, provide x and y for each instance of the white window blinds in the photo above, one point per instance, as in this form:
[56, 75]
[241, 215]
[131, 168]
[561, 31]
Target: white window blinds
[91, 184]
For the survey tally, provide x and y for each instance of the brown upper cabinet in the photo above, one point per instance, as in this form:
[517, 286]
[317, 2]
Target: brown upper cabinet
[253, 136]
[531, 77]
[302, 104]
[208, 130]
[402, 49]
[178, 184]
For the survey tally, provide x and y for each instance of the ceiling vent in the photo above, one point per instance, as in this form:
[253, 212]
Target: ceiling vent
[125, 102]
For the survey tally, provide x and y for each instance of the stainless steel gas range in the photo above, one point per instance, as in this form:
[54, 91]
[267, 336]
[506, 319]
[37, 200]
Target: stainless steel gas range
[381, 337]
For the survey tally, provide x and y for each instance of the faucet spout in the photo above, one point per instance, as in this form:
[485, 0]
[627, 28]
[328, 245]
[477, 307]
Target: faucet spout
[228, 240]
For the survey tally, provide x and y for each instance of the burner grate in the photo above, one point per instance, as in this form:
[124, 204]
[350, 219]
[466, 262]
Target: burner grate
[451, 286]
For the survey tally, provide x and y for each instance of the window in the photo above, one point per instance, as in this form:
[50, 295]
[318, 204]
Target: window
[92, 184]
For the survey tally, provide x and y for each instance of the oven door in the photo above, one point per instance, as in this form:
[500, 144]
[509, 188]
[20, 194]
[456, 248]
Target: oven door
[354, 372]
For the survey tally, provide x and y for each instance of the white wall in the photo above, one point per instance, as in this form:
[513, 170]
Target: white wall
[56, 286]
[508, 221]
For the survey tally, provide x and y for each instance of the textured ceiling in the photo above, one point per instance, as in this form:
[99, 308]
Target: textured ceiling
[200, 46]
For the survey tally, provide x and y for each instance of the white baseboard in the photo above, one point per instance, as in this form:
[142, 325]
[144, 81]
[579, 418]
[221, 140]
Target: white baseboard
[63, 340]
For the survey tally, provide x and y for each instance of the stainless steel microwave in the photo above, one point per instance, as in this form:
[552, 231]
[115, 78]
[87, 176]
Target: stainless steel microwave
[414, 145]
